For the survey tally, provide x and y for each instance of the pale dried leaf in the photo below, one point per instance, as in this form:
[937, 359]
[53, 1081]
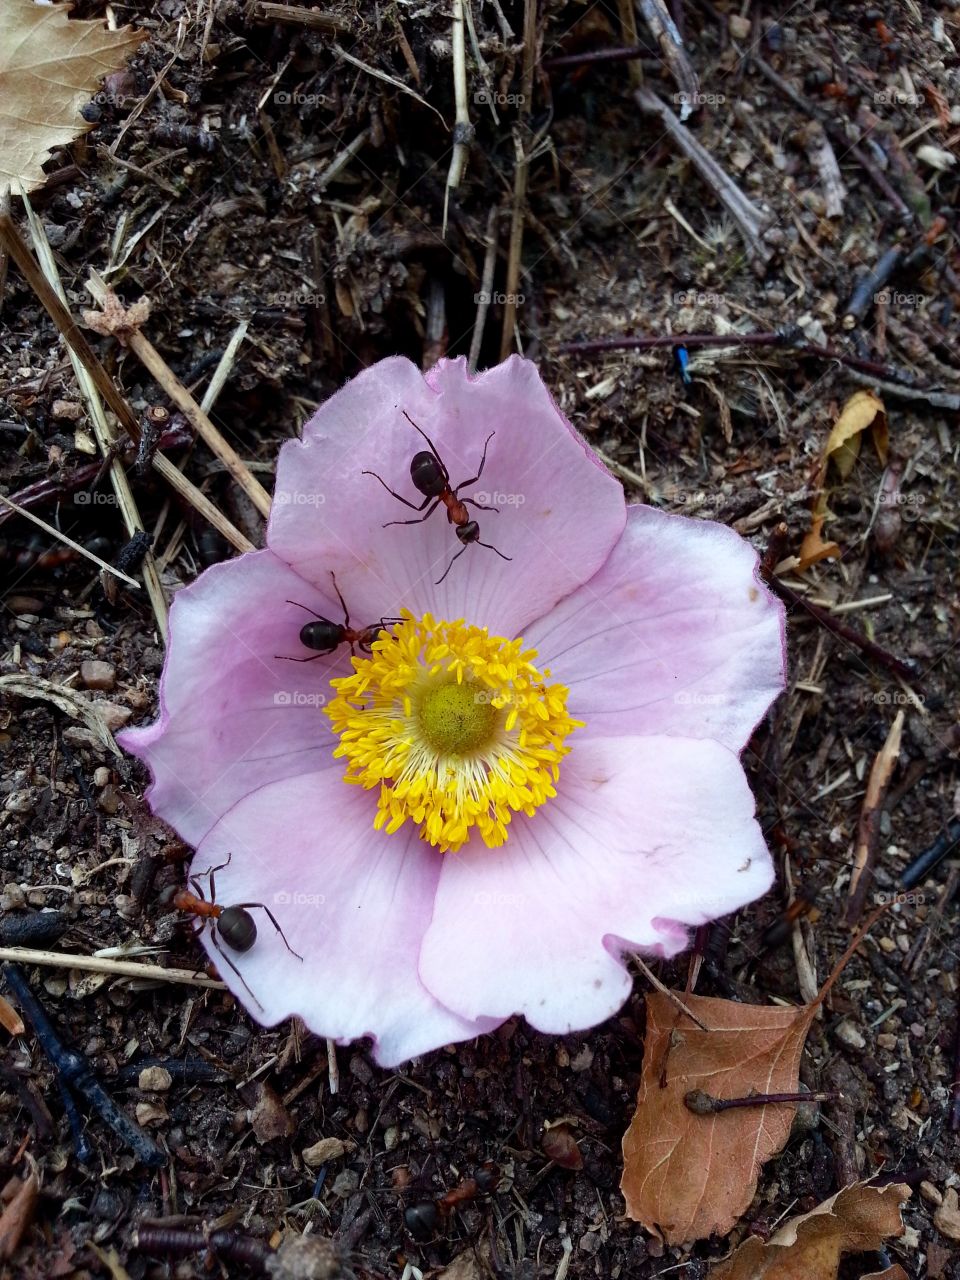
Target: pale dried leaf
[687, 1176]
[809, 1247]
[49, 67]
[116, 320]
[18, 1215]
[326, 1149]
[10, 1020]
[946, 1217]
[864, 411]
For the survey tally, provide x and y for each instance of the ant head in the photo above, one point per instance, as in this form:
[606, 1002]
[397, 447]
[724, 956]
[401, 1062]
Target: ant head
[468, 532]
[237, 928]
[427, 473]
[322, 636]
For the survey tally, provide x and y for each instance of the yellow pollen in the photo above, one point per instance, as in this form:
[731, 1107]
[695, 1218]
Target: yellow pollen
[458, 730]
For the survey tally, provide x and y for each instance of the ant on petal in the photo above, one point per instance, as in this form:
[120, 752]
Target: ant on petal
[431, 478]
[234, 926]
[325, 635]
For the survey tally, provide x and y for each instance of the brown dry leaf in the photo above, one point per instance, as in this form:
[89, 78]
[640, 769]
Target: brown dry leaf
[687, 1176]
[946, 1217]
[116, 320]
[18, 1214]
[896, 1272]
[560, 1146]
[858, 1218]
[863, 411]
[10, 1020]
[49, 67]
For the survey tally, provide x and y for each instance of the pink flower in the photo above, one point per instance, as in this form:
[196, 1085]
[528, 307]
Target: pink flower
[521, 812]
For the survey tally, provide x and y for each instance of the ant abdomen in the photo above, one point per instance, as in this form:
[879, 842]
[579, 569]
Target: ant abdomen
[321, 636]
[237, 928]
[427, 475]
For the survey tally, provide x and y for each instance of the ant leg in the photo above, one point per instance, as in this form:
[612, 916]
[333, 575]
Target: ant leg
[220, 951]
[483, 462]
[274, 922]
[211, 872]
[319, 616]
[433, 447]
[346, 616]
[471, 502]
[412, 505]
[420, 521]
[492, 548]
[449, 566]
[284, 657]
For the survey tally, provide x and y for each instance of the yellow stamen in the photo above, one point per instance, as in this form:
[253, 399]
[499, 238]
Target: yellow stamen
[457, 728]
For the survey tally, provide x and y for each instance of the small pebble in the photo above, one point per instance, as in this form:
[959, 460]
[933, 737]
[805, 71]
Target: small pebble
[849, 1034]
[738, 26]
[324, 1150]
[590, 1242]
[67, 410]
[391, 1137]
[346, 1183]
[930, 1193]
[98, 675]
[886, 1041]
[101, 776]
[887, 945]
[155, 1079]
[151, 1113]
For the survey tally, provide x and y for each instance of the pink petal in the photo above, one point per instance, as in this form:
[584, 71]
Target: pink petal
[559, 515]
[674, 635]
[353, 902]
[233, 716]
[645, 835]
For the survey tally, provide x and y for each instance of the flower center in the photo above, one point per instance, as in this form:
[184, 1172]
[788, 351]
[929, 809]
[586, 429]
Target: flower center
[457, 718]
[457, 728]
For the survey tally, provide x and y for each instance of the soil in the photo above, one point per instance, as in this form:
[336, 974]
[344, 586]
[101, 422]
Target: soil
[208, 184]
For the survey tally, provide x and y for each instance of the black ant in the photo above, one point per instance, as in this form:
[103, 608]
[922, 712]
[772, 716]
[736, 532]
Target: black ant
[325, 636]
[431, 478]
[234, 926]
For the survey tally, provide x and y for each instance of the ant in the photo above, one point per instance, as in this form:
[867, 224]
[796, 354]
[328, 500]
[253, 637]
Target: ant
[431, 478]
[325, 636]
[234, 925]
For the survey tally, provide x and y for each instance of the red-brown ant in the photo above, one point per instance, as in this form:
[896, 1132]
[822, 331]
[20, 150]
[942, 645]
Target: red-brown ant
[431, 478]
[325, 635]
[235, 926]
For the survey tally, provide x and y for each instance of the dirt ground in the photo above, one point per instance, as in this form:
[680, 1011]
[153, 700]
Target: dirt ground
[294, 177]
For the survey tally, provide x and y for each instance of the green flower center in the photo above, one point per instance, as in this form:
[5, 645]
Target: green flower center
[457, 718]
